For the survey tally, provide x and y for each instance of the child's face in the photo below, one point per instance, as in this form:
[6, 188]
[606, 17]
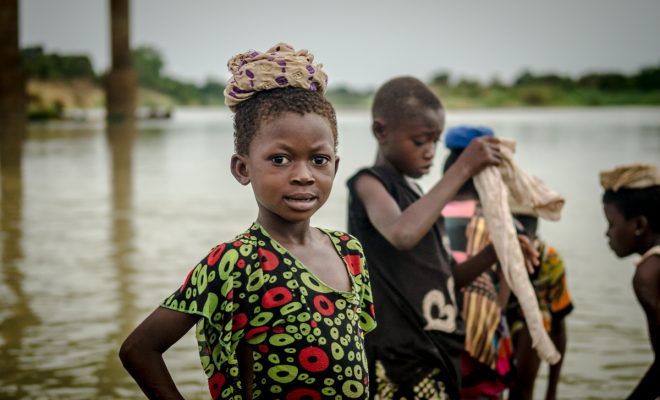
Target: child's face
[291, 166]
[620, 231]
[410, 145]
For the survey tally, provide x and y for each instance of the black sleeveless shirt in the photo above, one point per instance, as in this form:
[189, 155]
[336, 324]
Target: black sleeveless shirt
[419, 324]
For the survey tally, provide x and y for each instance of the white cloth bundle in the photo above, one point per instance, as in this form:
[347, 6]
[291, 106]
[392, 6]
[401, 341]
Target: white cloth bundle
[495, 185]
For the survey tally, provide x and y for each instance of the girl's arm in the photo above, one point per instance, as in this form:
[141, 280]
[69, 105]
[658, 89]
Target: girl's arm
[405, 229]
[142, 352]
[647, 289]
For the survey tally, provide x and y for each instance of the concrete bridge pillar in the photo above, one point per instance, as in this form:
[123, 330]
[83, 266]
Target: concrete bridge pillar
[121, 82]
[12, 99]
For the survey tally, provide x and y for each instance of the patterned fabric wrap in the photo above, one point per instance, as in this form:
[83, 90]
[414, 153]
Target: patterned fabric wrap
[280, 66]
[487, 364]
[305, 338]
[632, 176]
[429, 387]
[480, 308]
[549, 281]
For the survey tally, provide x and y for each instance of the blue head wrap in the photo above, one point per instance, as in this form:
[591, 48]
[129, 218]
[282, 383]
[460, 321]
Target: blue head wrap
[459, 137]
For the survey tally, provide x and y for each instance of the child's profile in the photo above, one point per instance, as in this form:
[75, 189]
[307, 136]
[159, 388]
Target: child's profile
[631, 204]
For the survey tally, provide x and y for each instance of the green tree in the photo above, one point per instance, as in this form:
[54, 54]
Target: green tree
[148, 64]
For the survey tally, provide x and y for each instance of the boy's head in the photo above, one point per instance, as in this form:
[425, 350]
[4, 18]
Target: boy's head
[285, 132]
[630, 202]
[408, 119]
[457, 138]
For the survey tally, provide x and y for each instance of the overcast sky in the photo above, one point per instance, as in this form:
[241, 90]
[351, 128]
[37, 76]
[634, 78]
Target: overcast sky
[362, 43]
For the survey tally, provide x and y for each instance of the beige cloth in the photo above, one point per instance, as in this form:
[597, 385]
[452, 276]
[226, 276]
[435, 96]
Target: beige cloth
[280, 66]
[653, 251]
[495, 185]
[631, 176]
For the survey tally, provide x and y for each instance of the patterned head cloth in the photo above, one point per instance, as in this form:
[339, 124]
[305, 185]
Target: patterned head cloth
[632, 176]
[281, 66]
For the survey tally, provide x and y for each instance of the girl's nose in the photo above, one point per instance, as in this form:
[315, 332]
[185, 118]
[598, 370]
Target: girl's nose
[301, 173]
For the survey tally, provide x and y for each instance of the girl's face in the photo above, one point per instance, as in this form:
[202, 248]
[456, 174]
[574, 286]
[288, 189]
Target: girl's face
[410, 145]
[291, 166]
[620, 231]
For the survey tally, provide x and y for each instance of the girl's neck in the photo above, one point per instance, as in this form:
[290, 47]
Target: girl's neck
[286, 232]
[649, 241]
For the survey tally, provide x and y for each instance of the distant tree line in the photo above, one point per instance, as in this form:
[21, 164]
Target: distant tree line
[528, 89]
[39, 65]
[147, 62]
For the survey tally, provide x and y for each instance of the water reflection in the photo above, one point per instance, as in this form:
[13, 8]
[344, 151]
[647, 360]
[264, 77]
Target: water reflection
[121, 141]
[17, 315]
[100, 226]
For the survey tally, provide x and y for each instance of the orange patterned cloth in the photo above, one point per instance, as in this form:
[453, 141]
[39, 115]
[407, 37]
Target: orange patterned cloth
[280, 66]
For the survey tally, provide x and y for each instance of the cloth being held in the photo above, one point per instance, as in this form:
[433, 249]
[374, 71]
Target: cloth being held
[495, 185]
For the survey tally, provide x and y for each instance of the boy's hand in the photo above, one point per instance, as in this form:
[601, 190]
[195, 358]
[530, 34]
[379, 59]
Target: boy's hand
[481, 153]
[530, 253]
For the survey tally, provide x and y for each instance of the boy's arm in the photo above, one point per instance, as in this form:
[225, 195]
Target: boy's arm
[647, 289]
[405, 229]
[141, 353]
[467, 271]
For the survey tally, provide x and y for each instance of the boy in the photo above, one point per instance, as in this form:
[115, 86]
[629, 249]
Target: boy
[415, 352]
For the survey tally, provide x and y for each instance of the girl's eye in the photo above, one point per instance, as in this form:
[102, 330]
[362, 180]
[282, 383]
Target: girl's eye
[418, 143]
[279, 160]
[320, 160]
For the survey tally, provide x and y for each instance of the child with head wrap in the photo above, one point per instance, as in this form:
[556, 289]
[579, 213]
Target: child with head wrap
[282, 308]
[487, 361]
[549, 281]
[632, 207]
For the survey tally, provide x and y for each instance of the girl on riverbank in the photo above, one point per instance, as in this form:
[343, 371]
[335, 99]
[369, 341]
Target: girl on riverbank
[281, 309]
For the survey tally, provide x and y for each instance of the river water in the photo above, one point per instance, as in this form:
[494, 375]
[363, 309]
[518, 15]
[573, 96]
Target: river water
[96, 239]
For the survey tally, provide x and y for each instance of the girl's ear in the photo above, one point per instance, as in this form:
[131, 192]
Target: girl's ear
[378, 129]
[240, 169]
[336, 165]
[641, 225]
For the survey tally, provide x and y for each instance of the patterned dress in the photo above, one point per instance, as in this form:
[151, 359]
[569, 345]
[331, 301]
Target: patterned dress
[549, 281]
[306, 338]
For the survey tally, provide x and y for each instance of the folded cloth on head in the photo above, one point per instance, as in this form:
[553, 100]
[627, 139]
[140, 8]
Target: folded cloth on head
[495, 185]
[631, 176]
[280, 66]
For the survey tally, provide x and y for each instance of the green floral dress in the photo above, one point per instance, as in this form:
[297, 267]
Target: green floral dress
[306, 338]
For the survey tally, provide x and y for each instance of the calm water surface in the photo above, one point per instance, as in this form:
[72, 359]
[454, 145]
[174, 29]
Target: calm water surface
[96, 239]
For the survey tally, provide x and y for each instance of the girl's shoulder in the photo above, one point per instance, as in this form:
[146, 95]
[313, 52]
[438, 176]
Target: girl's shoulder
[344, 240]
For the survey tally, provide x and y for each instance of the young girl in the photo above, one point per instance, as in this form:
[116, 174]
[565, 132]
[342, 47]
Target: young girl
[632, 207]
[282, 309]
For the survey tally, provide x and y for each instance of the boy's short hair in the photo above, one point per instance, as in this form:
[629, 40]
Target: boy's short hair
[395, 98]
[269, 104]
[637, 202]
